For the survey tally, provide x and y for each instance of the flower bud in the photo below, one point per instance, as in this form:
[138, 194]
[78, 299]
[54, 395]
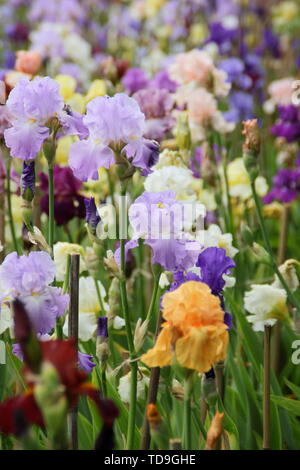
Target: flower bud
[50, 397]
[182, 132]
[140, 333]
[215, 430]
[261, 255]
[288, 271]
[157, 427]
[49, 149]
[92, 216]
[251, 147]
[28, 181]
[247, 234]
[209, 388]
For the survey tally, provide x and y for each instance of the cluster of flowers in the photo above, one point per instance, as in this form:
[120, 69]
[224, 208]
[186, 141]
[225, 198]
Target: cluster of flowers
[84, 130]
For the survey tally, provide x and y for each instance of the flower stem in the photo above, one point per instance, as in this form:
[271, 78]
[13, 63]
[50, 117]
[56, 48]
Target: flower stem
[187, 415]
[266, 398]
[133, 363]
[290, 295]
[276, 346]
[152, 394]
[99, 296]
[51, 206]
[9, 208]
[153, 299]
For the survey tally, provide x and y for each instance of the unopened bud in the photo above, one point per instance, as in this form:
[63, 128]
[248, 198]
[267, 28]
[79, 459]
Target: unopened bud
[260, 253]
[209, 388]
[215, 431]
[140, 333]
[49, 149]
[50, 397]
[182, 132]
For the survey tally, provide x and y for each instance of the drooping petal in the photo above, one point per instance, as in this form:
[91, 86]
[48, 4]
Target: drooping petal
[202, 347]
[161, 354]
[87, 156]
[23, 407]
[214, 263]
[25, 139]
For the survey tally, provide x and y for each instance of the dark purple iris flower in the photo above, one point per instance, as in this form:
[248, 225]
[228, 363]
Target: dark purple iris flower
[213, 263]
[286, 186]
[288, 124]
[68, 203]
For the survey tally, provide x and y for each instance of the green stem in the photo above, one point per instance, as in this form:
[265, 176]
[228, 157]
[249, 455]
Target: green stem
[99, 296]
[187, 415]
[140, 280]
[290, 295]
[51, 206]
[266, 397]
[133, 363]
[153, 298]
[9, 207]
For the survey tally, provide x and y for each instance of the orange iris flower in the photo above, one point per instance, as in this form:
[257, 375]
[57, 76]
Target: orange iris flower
[194, 329]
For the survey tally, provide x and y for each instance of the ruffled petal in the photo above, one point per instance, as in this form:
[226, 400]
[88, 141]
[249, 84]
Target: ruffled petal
[161, 354]
[202, 347]
[25, 139]
[87, 156]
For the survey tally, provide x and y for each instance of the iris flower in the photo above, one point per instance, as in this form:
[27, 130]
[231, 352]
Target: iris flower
[194, 331]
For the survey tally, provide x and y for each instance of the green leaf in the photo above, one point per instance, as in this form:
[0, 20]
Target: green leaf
[85, 433]
[292, 406]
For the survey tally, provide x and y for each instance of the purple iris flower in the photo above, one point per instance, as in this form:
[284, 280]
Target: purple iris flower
[222, 36]
[241, 107]
[162, 80]
[112, 122]
[286, 186]
[148, 158]
[28, 278]
[214, 263]
[135, 79]
[158, 219]
[288, 124]
[272, 43]
[86, 362]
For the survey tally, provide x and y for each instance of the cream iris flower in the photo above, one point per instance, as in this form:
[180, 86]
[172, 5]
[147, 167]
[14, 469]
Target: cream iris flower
[267, 304]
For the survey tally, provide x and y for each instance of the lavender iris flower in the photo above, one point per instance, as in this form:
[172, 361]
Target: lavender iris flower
[158, 219]
[28, 278]
[156, 104]
[112, 122]
[33, 104]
